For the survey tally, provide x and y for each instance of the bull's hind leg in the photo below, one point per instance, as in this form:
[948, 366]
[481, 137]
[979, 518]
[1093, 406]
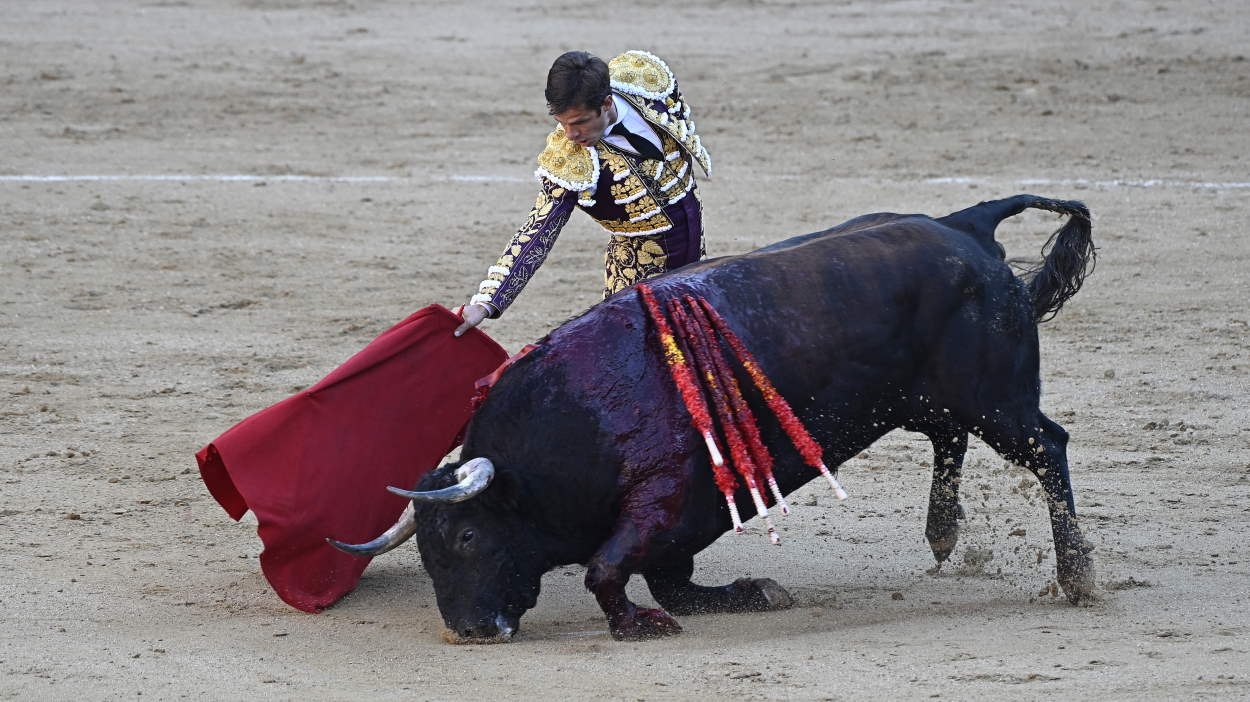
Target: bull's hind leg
[1042, 447]
[670, 585]
[1073, 562]
[942, 529]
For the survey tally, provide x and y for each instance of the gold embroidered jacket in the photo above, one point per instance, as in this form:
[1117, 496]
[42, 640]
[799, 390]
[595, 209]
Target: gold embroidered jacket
[625, 193]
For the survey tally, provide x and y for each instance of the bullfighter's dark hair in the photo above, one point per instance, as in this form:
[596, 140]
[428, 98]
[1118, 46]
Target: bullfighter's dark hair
[577, 80]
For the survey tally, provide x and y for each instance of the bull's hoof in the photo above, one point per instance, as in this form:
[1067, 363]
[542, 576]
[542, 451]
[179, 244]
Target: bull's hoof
[645, 624]
[943, 547]
[943, 535]
[1080, 591]
[768, 594]
[1076, 578]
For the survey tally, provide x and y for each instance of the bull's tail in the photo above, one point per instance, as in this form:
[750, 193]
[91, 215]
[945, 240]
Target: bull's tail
[1068, 255]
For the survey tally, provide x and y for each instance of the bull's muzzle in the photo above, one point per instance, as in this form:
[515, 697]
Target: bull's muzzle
[501, 629]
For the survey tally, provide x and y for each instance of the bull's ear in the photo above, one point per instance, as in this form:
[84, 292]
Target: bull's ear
[506, 491]
[443, 476]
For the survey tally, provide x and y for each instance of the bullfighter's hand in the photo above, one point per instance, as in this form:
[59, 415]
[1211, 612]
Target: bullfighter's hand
[472, 315]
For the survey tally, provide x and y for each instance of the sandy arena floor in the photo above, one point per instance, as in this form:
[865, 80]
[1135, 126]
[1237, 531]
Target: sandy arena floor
[142, 316]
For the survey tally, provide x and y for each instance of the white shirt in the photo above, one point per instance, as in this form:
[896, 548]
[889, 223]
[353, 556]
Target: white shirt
[625, 113]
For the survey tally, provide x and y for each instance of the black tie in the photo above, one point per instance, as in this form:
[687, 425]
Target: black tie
[640, 143]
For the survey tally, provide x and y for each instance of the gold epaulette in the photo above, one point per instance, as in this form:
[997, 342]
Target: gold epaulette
[641, 73]
[567, 163]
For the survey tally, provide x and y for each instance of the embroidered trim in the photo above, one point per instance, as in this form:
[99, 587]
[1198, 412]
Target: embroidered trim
[501, 270]
[479, 298]
[672, 155]
[657, 230]
[641, 73]
[628, 191]
[631, 198]
[685, 192]
[645, 215]
[705, 159]
[489, 283]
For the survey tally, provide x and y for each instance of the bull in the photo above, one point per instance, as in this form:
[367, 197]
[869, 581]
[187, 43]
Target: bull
[584, 453]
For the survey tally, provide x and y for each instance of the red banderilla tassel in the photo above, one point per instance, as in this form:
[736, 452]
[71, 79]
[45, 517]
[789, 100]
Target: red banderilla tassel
[703, 355]
[742, 413]
[812, 454]
[688, 387]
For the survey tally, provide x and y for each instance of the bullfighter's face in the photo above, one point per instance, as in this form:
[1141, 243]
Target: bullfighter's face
[587, 126]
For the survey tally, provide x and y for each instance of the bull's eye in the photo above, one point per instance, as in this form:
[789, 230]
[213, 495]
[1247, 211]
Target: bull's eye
[466, 537]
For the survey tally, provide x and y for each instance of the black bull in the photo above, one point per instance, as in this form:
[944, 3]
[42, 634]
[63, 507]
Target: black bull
[883, 322]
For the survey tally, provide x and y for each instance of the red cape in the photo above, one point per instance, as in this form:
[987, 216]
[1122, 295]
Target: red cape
[317, 464]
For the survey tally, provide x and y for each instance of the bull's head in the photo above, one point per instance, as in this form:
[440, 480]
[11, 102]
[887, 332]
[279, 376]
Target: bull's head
[485, 563]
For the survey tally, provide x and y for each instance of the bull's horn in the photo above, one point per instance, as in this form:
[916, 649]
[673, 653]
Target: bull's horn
[474, 476]
[396, 535]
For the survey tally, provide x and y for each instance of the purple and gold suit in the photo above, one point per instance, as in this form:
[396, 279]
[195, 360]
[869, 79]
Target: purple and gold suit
[647, 205]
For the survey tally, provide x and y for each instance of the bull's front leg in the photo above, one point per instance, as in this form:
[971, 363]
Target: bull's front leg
[608, 573]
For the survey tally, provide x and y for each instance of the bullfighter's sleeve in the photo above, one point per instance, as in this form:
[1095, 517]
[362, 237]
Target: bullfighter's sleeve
[527, 250]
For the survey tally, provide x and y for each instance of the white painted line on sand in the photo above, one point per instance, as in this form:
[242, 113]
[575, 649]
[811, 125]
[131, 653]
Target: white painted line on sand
[249, 178]
[1118, 183]
[216, 177]
[488, 179]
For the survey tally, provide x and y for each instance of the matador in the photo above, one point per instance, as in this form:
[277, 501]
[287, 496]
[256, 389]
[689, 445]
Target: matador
[624, 152]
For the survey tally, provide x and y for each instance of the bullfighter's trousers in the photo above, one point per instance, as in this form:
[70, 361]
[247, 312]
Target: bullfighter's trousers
[633, 259]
